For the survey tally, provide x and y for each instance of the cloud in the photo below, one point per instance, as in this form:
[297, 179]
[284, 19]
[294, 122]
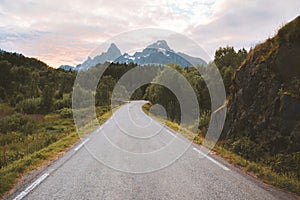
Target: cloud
[244, 23]
[65, 32]
[77, 24]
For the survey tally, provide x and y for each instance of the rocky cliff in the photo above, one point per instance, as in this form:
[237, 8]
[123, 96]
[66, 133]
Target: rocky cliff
[264, 104]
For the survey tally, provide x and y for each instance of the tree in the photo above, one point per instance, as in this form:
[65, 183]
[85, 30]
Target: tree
[228, 60]
[5, 74]
[160, 94]
[241, 56]
[34, 87]
[225, 57]
[104, 91]
[47, 99]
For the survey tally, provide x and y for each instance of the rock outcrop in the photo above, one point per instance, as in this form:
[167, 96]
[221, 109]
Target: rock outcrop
[264, 105]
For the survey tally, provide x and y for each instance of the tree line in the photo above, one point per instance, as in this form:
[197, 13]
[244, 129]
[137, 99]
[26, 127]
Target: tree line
[31, 87]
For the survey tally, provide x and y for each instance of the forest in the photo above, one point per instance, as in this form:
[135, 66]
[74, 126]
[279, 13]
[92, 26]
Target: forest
[36, 100]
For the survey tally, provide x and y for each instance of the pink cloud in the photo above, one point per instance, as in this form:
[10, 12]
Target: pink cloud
[66, 32]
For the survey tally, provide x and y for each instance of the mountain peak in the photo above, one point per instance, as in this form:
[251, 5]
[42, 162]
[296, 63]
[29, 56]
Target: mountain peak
[112, 53]
[160, 44]
[113, 49]
[157, 53]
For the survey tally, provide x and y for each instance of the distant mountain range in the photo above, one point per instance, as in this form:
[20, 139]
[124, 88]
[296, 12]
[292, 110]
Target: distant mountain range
[67, 67]
[158, 53]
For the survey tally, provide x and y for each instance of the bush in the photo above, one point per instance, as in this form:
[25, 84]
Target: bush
[66, 113]
[29, 106]
[63, 103]
[19, 98]
[204, 119]
[247, 149]
[287, 163]
[17, 122]
[6, 110]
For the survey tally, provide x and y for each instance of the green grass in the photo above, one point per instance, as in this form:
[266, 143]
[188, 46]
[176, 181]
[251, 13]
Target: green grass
[12, 172]
[184, 131]
[52, 136]
[287, 182]
[265, 173]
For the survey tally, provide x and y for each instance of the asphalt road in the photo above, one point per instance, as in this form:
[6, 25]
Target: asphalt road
[132, 156]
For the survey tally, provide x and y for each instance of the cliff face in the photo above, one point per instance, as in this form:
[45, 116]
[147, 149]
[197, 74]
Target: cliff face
[264, 105]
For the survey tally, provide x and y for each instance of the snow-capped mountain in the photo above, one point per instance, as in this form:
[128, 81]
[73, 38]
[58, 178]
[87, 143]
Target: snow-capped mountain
[110, 55]
[160, 44]
[158, 53]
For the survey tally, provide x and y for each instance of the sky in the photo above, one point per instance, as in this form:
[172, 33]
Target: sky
[66, 32]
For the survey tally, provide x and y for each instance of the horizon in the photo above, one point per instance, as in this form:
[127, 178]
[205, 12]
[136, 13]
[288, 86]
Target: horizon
[69, 33]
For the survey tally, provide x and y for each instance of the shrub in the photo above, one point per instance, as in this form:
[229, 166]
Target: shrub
[247, 149]
[286, 163]
[6, 110]
[66, 113]
[204, 119]
[63, 103]
[17, 122]
[29, 106]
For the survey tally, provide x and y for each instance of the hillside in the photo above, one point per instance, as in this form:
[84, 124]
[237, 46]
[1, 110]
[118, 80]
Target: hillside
[263, 122]
[27, 81]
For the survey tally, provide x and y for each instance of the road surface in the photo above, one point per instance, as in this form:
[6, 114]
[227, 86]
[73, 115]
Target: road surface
[127, 168]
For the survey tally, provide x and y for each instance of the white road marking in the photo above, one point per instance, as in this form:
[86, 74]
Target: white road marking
[99, 129]
[43, 177]
[32, 186]
[172, 133]
[156, 122]
[106, 122]
[81, 145]
[211, 159]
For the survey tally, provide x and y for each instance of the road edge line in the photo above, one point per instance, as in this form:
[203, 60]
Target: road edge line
[81, 145]
[31, 187]
[211, 159]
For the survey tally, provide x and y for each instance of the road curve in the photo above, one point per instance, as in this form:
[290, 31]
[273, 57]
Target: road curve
[117, 162]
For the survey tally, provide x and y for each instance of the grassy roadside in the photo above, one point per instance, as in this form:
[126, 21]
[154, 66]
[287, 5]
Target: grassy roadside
[263, 172]
[11, 174]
